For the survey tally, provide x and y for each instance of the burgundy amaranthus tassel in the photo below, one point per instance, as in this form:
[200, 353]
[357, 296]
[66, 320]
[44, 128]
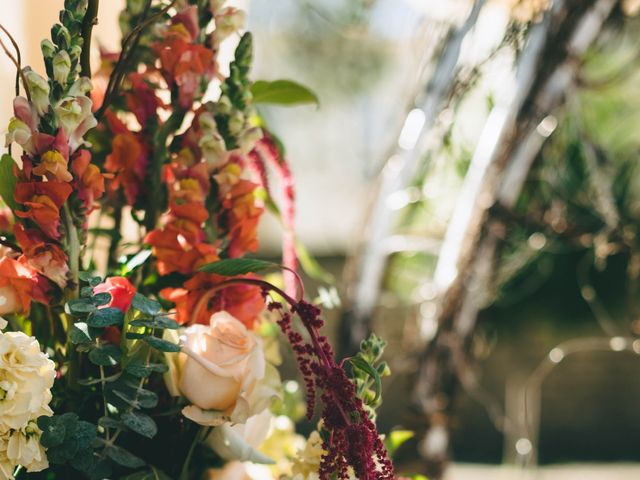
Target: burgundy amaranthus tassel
[353, 439]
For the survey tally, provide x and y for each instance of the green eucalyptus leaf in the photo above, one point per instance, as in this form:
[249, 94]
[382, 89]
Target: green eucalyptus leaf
[156, 322]
[8, 181]
[230, 267]
[81, 333]
[282, 92]
[105, 355]
[81, 306]
[105, 317]
[140, 423]
[145, 305]
[161, 344]
[100, 299]
[53, 431]
[123, 457]
[141, 371]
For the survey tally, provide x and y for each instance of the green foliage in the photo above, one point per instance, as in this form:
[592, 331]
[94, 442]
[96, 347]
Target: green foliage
[129, 365]
[282, 92]
[7, 181]
[367, 371]
[230, 267]
[69, 440]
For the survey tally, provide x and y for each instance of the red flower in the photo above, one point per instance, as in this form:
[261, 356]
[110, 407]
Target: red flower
[19, 284]
[198, 300]
[89, 181]
[127, 160]
[43, 201]
[42, 255]
[121, 290]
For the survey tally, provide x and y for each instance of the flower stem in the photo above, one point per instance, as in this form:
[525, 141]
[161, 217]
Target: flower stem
[90, 19]
[184, 473]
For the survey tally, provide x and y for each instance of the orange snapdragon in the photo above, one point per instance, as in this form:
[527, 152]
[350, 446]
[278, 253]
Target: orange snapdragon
[42, 201]
[19, 284]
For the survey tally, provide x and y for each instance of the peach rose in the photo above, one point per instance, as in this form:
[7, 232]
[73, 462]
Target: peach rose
[221, 371]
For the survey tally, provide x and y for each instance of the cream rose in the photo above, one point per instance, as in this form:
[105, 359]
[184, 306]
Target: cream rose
[221, 371]
[26, 378]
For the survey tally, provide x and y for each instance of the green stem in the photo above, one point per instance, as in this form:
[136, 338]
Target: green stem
[90, 19]
[159, 157]
[74, 251]
[184, 473]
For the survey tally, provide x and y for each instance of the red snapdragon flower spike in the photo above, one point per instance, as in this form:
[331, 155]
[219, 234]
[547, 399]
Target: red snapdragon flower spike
[121, 290]
[43, 201]
[241, 215]
[89, 181]
[127, 161]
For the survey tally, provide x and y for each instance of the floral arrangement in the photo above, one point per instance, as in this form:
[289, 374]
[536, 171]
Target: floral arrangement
[150, 352]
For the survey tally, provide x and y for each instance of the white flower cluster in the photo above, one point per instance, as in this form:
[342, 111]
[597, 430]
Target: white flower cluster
[26, 378]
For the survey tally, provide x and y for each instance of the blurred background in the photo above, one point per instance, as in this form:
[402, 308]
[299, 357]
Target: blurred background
[469, 190]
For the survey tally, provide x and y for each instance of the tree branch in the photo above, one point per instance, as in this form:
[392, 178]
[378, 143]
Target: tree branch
[90, 19]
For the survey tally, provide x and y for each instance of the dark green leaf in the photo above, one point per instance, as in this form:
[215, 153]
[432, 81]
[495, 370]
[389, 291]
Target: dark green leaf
[81, 305]
[136, 336]
[147, 398]
[140, 423]
[145, 305]
[123, 457]
[89, 277]
[83, 460]
[81, 333]
[100, 299]
[230, 267]
[53, 431]
[108, 422]
[361, 364]
[282, 92]
[105, 355]
[142, 371]
[85, 432]
[7, 181]
[105, 317]
[162, 345]
[156, 322]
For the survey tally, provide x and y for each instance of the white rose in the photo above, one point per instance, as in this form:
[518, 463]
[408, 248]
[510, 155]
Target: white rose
[26, 378]
[221, 370]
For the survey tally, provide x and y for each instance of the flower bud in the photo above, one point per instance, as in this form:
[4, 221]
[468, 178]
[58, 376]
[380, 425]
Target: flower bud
[236, 122]
[48, 48]
[61, 67]
[39, 90]
[249, 139]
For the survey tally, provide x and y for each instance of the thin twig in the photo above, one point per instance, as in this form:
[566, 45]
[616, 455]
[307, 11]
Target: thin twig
[128, 45]
[16, 62]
